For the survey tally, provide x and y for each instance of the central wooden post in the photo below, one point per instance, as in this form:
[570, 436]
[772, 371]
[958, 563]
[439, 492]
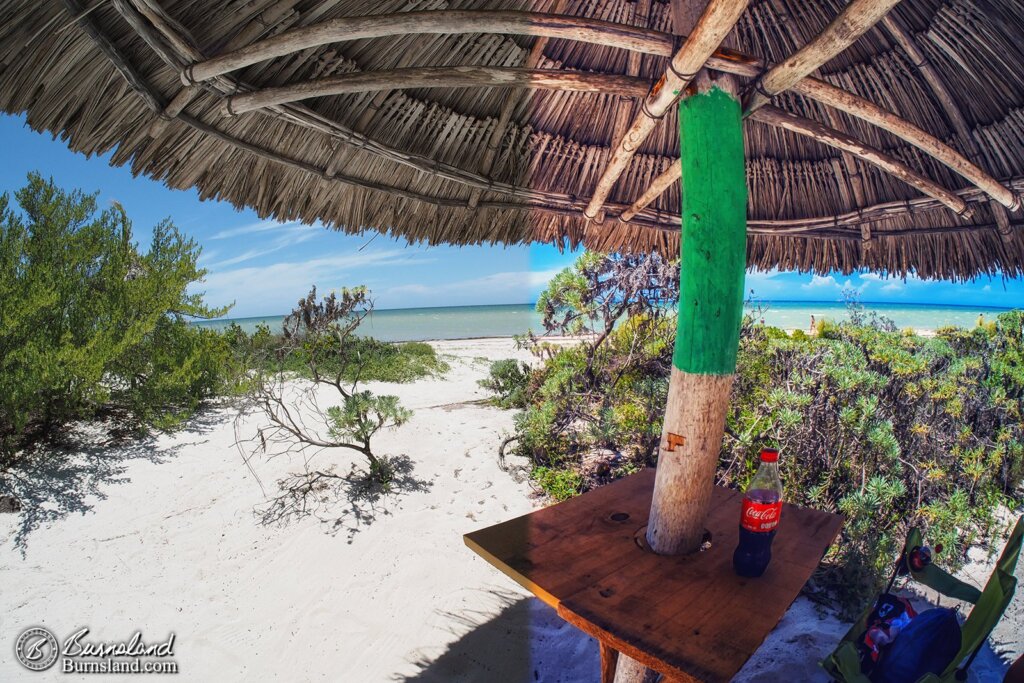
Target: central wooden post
[712, 269]
[713, 264]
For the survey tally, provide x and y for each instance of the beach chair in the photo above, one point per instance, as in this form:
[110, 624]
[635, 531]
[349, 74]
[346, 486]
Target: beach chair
[844, 663]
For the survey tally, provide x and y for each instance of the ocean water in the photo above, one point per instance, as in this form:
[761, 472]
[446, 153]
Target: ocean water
[466, 322]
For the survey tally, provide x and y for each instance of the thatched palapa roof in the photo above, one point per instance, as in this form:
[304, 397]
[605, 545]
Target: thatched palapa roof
[881, 134]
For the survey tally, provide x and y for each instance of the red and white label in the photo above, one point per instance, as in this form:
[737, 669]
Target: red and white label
[760, 517]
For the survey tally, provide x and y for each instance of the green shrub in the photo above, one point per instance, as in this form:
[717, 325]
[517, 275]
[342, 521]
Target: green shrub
[318, 342]
[357, 359]
[91, 325]
[890, 428]
[560, 484]
[508, 379]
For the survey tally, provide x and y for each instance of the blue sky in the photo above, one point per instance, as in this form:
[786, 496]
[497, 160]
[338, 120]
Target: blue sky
[265, 267]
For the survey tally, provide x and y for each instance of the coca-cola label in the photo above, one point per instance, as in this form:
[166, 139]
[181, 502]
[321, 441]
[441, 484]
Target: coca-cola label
[760, 517]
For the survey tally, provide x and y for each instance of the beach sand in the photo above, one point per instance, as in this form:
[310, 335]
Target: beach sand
[164, 536]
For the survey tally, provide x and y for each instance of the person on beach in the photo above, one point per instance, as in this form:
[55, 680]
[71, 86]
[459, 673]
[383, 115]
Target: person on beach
[812, 324]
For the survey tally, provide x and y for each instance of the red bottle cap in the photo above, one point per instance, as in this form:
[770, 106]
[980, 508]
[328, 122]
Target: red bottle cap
[769, 455]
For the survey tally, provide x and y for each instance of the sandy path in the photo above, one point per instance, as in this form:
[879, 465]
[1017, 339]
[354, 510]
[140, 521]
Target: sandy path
[162, 537]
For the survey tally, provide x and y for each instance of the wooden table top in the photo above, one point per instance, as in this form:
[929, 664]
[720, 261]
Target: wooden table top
[689, 617]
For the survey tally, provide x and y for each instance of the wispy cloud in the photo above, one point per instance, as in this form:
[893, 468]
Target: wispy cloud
[292, 238]
[270, 289]
[821, 282]
[254, 228]
[524, 280]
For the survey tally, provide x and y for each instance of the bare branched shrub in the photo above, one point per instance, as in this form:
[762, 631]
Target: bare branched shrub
[307, 393]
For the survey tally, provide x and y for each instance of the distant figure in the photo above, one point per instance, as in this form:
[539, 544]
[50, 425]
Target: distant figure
[812, 323]
[981, 320]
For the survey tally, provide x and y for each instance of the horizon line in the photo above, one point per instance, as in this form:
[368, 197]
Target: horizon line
[745, 303]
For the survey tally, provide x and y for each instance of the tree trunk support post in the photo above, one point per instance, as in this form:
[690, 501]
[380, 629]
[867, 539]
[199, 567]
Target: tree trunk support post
[713, 265]
[712, 270]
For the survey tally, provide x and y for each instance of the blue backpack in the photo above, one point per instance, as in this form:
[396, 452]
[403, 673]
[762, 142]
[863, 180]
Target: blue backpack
[926, 645]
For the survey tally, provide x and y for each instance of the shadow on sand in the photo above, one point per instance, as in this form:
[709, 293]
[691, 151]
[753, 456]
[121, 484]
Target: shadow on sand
[343, 503]
[526, 642]
[70, 476]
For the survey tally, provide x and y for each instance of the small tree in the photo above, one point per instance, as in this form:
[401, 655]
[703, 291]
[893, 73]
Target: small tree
[317, 344]
[93, 326]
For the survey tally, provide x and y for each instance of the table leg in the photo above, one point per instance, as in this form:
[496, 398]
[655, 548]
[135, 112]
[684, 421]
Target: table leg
[609, 657]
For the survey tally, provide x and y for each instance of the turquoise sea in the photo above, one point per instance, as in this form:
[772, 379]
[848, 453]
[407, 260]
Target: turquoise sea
[465, 322]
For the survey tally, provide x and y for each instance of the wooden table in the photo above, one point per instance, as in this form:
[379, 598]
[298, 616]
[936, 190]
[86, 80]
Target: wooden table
[688, 617]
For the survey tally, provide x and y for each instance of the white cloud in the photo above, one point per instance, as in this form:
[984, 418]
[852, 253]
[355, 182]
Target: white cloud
[262, 226]
[894, 286]
[290, 238]
[821, 282]
[270, 289]
[526, 280]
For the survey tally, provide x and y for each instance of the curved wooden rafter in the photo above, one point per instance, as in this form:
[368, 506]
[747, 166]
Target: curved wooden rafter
[841, 33]
[948, 103]
[438, 77]
[264, 21]
[839, 140]
[298, 115]
[711, 28]
[554, 25]
[857, 106]
[820, 227]
[439, 22]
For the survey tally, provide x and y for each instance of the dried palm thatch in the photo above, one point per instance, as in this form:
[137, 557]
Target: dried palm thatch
[494, 121]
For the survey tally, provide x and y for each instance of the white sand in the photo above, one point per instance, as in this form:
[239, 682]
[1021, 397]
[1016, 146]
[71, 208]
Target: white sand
[162, 537]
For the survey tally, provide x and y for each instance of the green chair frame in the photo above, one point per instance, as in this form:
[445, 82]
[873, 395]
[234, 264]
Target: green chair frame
[988, 607]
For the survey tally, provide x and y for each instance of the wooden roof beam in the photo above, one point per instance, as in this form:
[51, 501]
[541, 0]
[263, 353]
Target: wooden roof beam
[437, 77]
[264, 21]
[561, 205]
[956, 117]
[711, 29]
[845, 29]
[434, 21]
[532, 61]
[298, 115]
[865, 110]
[841, 141]
[554, 25]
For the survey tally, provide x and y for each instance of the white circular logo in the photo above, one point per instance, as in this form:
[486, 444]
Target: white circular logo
[36, 649]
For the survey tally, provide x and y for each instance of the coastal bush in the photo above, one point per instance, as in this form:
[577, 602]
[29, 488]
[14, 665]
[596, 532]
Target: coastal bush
[318, 337]
[91, 325]
[507, 379]
[891, 429]
[358, 359]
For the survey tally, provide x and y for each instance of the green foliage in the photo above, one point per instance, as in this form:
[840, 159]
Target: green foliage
[890, 428]
[91, 325]
[557, 483]
[366, 359]
[318, 343]
[508, 380]
[362, 414]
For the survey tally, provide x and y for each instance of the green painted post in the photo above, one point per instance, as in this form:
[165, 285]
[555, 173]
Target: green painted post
[713, 264]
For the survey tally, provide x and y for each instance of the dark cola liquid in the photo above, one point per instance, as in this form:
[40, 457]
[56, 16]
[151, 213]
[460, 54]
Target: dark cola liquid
[754, 551]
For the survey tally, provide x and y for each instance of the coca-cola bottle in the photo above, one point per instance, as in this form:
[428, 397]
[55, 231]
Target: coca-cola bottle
[762, 507]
